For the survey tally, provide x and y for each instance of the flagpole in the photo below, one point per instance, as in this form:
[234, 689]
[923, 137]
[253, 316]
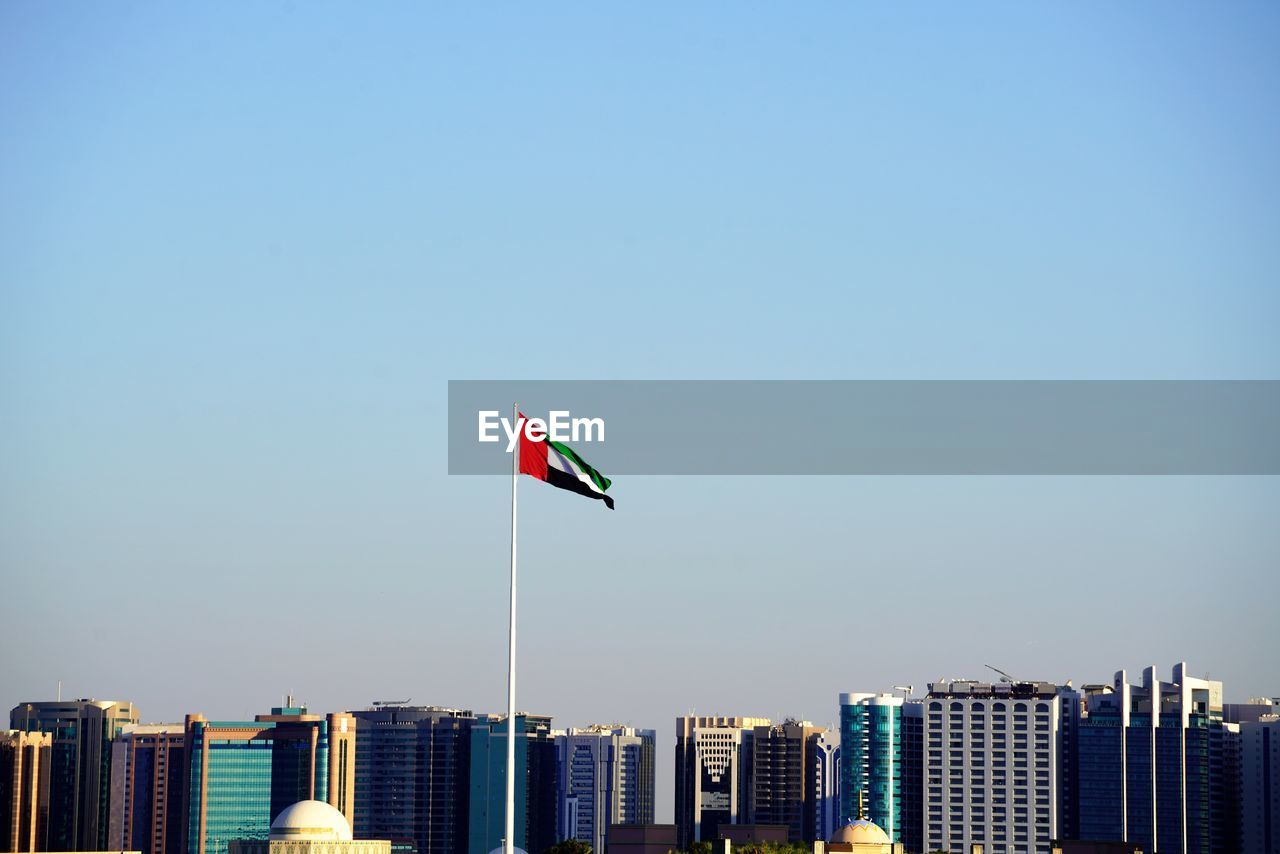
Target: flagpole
[509, 839]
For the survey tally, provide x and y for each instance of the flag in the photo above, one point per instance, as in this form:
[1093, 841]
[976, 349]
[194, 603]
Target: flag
[559, 465]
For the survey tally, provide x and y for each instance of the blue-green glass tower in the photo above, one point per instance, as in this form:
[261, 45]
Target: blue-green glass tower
[242, 774]
[535, 784]
[871, 760]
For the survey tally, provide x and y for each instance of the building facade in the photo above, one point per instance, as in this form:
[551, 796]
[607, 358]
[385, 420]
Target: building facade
[24, 790]
[783, 770]
[712, 774]
[242, 774]
[148, 780]
[1252, 710]
[1260, 785]
[79, 765]
[535, 787]
[911, 830]
[1156, 765]
[871, 760]
[413, 776]
[992, 766]
[604, 776]
[824, 785]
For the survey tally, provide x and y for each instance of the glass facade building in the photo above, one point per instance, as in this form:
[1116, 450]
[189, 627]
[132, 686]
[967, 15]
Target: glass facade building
[1157, 766]
[871, 760]
[79, 766]
[535, 789]
[242, 774]
[412, 777]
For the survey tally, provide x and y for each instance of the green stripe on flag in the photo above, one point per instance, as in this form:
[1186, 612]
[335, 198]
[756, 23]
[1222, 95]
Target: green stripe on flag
[600, 480]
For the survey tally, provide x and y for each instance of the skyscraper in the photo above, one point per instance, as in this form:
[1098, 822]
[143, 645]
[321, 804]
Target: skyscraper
[604, 776]
[148, 782]
[242, 774]
[535, 788]
[24, 790]
[911, 831]
[783, 769]
[1260, 785]
[871, 760]
[712, 774]
[413, 766]
[79, 765]
[1153, 764]
[992, 766]
[824, 785]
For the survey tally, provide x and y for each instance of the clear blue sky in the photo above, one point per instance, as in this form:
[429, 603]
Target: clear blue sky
[244, 246]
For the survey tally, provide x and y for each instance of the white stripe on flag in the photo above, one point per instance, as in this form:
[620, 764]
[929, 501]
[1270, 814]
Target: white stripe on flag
[564, 464]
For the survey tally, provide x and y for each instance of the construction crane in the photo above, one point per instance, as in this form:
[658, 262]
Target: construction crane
[907, 690]
[1004, 677]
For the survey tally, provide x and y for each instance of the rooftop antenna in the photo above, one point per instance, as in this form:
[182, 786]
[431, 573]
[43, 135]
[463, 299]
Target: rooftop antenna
[59, 690]
[1004, 677]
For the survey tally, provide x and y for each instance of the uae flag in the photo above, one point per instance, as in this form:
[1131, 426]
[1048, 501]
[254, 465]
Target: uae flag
[559, 465]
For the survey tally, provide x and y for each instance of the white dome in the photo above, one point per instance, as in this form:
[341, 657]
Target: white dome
[311, 821]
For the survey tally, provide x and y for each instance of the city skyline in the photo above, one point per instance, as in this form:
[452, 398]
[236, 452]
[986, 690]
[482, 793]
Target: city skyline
[1038, 761]
[665, 733]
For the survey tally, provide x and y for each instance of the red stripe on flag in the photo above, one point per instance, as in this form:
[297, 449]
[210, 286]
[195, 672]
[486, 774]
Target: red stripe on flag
[533, 455]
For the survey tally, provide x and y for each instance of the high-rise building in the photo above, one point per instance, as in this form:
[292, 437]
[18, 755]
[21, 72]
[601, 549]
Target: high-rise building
[1260, 785]
[1070, 710]
[824, 785]
[604, 776]
[413, 766]
[871, 760]
[911, 831]
[148, 782]
[712, 774]
[79, 765]
[1155, 764]
[783, 770]
[24, 790]
[535, 785]
[992, 766]
[242, 774]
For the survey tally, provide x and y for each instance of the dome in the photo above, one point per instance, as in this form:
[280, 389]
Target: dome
[311, 821]
[860, 831]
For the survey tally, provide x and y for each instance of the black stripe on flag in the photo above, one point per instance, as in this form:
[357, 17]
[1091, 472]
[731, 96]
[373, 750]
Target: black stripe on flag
[564, 480]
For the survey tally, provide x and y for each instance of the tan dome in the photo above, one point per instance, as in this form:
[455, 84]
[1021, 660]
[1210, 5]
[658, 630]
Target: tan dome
[860, 831]
[311, 821]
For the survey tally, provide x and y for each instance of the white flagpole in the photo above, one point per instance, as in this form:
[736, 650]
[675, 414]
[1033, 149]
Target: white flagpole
[509, 840]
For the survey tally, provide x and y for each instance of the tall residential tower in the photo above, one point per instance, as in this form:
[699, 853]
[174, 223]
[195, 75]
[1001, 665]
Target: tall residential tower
[1156, 764]
[712, 774]
[413, 766]
[79, 765]
[604, 776]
